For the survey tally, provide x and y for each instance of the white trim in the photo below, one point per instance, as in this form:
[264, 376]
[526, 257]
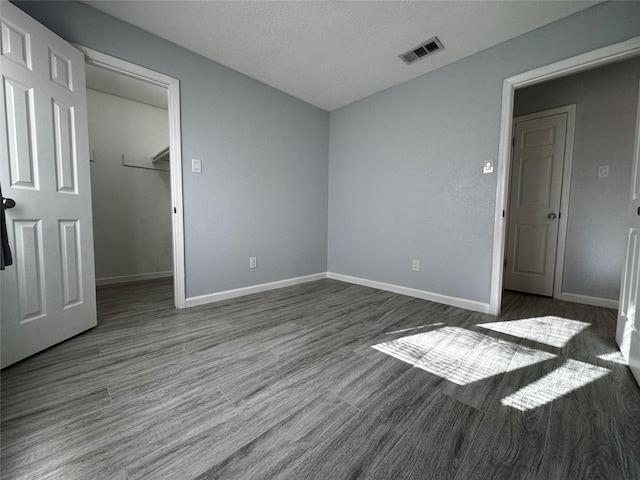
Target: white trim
[588, 300]
[413, 292]
[173, 91]
[565, 193]
[586, 61]
[140, 277]
[564, 199]
[241, 292]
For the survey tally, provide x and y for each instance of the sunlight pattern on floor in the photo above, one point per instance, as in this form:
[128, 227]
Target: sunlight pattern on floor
[554, 331]
[412, 348]
[615, 357]
[571, 376]
[462, 356]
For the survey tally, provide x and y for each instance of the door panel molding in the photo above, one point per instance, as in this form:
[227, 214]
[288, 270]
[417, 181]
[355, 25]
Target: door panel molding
[29, 269]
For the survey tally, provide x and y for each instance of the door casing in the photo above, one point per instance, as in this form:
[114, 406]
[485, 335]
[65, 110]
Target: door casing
[596, 58]
[175, 164]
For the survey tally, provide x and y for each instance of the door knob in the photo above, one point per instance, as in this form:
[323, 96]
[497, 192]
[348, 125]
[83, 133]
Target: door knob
[8, 202]
[551, 216]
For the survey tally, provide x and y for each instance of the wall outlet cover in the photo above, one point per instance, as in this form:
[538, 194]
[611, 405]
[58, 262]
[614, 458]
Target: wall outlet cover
[603, 171]
[488, 166]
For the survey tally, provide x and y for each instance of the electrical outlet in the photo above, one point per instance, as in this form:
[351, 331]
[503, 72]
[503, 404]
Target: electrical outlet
[603, 171]
[415, 265]
[253, 262]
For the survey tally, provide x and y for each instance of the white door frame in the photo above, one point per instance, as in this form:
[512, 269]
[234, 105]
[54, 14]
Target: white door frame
[175, 163]
[596, 58]
[565, 193]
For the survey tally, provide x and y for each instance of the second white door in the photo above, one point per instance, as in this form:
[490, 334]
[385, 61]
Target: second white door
[628, 331]
[534, 203]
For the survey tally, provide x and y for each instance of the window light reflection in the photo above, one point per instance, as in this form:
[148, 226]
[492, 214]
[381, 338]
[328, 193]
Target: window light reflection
[571, 376]
[554, 331]
[615, 357]
[462, 356]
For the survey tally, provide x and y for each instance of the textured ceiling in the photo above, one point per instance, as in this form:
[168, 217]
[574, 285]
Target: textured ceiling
[332, 53]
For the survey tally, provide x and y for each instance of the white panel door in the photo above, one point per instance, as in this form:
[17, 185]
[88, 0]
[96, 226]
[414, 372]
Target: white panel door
[628, 330]
[534, 204]
[48, 294]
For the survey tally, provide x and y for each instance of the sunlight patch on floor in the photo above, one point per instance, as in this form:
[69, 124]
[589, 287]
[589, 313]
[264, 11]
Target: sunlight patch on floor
[461, 356]
[571, 376]
[554, 331]
[412, 348]
[615, 357]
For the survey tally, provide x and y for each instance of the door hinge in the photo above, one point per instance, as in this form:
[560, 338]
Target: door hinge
[505, 263]
[513, 142]
[502, 213]
[175, 210]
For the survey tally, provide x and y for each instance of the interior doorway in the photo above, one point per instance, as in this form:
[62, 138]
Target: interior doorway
[590, 228]
[611, 54]
[166, 161]
[130, 177]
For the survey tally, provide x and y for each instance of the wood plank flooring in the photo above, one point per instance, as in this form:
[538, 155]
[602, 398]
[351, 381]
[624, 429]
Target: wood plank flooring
[324, 381]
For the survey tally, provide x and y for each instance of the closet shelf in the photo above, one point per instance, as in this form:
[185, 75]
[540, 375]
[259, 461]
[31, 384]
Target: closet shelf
[162, 156]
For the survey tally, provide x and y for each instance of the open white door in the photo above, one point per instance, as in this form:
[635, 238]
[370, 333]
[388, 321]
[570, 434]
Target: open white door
[628, 331]
[534, 205]
[48, 294]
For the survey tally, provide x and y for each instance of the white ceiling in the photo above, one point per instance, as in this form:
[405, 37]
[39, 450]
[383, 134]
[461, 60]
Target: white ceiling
[332, 53]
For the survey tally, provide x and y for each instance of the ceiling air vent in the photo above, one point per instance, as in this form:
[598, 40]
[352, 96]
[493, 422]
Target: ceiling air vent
[429, 47]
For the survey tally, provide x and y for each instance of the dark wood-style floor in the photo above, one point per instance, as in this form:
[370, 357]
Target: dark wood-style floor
[325, 381]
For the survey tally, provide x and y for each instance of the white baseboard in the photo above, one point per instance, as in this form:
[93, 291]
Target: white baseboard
[412, 292]
[587, 300]
[140, 277]
[240, 292]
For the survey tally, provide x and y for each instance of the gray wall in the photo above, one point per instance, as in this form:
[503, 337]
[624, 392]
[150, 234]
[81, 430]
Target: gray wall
[263, 189]
[606, 104]
[131, 206]
[405, 165]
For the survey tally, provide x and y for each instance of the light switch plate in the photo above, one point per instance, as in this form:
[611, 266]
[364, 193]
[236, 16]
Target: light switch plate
[488, 166]
[196, 166]
[603, 171]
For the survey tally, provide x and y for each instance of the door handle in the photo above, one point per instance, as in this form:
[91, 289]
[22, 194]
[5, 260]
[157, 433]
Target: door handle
[8, 202]
[551, 216]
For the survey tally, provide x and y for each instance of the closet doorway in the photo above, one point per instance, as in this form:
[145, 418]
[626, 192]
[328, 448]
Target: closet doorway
[136, 180]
